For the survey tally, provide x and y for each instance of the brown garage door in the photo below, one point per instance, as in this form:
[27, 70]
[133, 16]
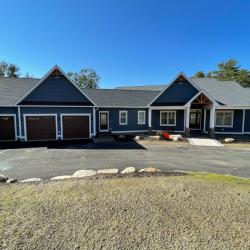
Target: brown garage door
[40, 128]
[7, 128]
[75, 127]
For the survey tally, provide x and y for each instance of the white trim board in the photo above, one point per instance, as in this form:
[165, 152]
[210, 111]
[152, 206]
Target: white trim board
[107, 112]
[129, 131]
[123, 123]
[42, 114]
[168, 111]
[75, 114]
[15, 124]
[138, 118]
[56, 67]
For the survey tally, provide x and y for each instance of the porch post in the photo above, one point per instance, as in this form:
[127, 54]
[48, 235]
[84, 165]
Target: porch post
[211, 122]
[94, 121]
[149, 120]
[187, 114]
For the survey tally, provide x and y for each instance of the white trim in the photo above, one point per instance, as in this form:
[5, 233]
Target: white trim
[56, 67]
[42, 114]
[232, 107]
[229, 133]
[178, 75]
[123, 123]
[149, 117]
[167, 107]
[103, 130]
[175, 131]
[199, 93]
[212, 118]
[138, 117]
[204, 120]
[129, 131]
[127, 107]
[168, 111]
[15, 125]
[94, 122]
[224, 126]
[243, 121]
[75, 114]
[19, 122]
[54, 106]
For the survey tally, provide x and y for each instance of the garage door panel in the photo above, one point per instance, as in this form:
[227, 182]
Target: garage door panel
[41, 128]
[7, 128]
[75, 127]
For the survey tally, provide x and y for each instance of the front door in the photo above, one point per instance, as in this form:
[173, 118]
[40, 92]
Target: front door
[195, 119]
[103, 121]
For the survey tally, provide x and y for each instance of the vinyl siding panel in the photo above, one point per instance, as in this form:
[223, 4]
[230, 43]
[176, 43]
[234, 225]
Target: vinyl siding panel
[56, 89]
[176, 94]
[179, 121]
[114, 119]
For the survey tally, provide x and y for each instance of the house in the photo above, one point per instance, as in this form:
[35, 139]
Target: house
[54, 108]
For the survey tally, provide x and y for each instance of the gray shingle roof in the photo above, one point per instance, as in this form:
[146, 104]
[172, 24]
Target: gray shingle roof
[12, 89]
[228, 93]
[145, 87]
[119, 98]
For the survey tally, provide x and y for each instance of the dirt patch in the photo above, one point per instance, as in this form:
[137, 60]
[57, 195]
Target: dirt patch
[152, 212]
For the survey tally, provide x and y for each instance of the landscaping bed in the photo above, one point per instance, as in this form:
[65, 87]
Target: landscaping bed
[194, 211]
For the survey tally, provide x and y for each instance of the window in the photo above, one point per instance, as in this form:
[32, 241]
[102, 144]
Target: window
[123, 117]
[141, 117]
[224, 119]
[167, 118]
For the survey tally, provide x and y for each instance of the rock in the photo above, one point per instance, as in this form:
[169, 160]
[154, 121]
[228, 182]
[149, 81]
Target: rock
[11, 181]
[61, 177]
[154, 137]
[149, 170]
[84, 173]
[176, 137]
[128, 170]
[137, 138]
[3, 178]
[108, 171]
[229, 140]
[31, 180]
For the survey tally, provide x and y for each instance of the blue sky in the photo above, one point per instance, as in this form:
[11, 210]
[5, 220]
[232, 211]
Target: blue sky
[128, 42]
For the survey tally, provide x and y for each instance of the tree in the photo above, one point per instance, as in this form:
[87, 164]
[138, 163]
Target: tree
[27, 75]
[199, 74]
[3, 68]
[13, 71]
[86, 78]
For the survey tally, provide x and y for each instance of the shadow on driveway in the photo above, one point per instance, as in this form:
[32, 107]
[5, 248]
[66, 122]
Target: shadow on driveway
[74, 144]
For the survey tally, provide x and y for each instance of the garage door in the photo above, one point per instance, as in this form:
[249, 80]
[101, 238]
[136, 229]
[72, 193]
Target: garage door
[75, 127]
[7, 128]
[40, 128]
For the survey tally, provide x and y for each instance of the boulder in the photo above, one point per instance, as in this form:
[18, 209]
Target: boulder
[137, 138]
[84, 173]
[11, 181]
[61, 177]
[128, 170]
[149, 170]
[108, 171]
[31, 180]
[229, 140]
[3, 178]
[176, 138]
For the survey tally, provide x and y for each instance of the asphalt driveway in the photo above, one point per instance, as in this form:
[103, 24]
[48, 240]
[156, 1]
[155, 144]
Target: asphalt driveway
[47, 162]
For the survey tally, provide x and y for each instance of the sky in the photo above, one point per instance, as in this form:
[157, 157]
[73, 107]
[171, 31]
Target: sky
[127, 42]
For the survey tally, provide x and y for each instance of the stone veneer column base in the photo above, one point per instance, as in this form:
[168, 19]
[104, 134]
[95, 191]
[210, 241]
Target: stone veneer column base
[187, 132]
[211, 132]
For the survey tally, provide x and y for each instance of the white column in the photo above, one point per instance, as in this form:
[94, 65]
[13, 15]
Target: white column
[19, 122]
[149, 117]
[94, 121]
[187, 117]
[212, 117]
[204, 120]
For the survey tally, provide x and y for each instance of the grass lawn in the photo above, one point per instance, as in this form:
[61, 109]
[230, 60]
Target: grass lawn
[196, 211]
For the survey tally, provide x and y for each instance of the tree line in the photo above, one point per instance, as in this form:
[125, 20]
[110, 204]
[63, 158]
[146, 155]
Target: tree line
[228, 71]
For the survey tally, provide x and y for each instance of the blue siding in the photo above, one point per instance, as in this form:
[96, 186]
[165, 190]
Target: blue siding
[179, 121]
[247, 121]
[176, 94]
[55, 110]
[114, 119]
[11, 110]
[237, 123]
[56, 89]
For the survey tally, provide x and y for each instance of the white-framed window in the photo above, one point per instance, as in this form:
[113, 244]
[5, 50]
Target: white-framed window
[224, 118]
[167, 118]
[141, 117]
[123, 117]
